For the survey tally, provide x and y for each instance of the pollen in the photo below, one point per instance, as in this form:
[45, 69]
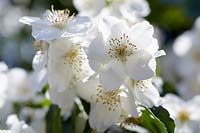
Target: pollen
[121, 48]
[183, 115]
[40, 45]
[196, 56]
[141, 84]
[75, 57]
[58, 18]
[110, 99]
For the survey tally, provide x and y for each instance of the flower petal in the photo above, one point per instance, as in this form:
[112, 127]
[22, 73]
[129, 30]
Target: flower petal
[146, 93]
[88, 89]
[106, 24]
[173, 104]
[78, 25]
[129, 106]
[97, 52]
[118, 29]
[101, 118]
[28, 20]
[64, 99]
[142, 34]
[138, 65]
[193, 106]
[110, 79]
[39, 60]
[45, 32]
[59, 72]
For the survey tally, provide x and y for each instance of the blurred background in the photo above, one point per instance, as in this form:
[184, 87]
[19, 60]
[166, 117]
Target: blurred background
[171, 18]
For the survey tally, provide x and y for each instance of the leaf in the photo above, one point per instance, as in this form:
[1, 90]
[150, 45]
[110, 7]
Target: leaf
[164, 117]
[149, 121]
[53, 120]
[168, 87]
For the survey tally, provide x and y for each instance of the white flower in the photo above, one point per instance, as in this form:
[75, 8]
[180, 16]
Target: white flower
[67, 64]
[56, 24]
[185, 113]
[139, 8]
[124, 52]
[5, 105]
[106, 106]
[3, 83]
[144, 92]
[131, 10]
[158, 83]
[36, 118]
[89, 7]
[189, 88]
[66, 61]
[16, 126]
[3, 67]
[41, 57]
[187, 50]
[18, 89]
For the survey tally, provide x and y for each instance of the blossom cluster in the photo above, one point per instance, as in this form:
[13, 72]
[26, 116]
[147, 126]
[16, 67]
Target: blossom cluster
[105, 55]
[107, 61]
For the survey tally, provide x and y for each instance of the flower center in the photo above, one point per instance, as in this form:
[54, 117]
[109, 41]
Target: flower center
[40, 45]
[121, 48]
[141, 84]
[58, 18]
[111, 99]
[183, 115]
[196, 56]
[75, 57]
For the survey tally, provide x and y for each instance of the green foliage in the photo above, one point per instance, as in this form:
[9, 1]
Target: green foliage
[156, 120]
[151, 122]
[53, 120]
[169, 87]
[171, 18]
[163, 115]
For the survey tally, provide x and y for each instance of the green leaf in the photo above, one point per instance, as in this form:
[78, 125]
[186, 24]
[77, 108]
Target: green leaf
[164, 117]
[53, 120]
[149, 121]
[169, 87]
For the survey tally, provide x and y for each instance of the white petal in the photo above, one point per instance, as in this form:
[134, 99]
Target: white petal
[88, 89]
[142, 34]
[147, 94]
[173, 104]
[106, 24]
[138, 65]
[183, 44]
[101, 118]
[78, 25]
[118, 29]
[28, 20]
[59, 72]
[193, 106]
[45, 32]
[39, 60]
[97, 52]
[129, 106]
[64, 99]
[153, 46]
[3, 67]
[38, 79]
[110, 79]
[159, 53]
[139, 8]
[3, 87]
